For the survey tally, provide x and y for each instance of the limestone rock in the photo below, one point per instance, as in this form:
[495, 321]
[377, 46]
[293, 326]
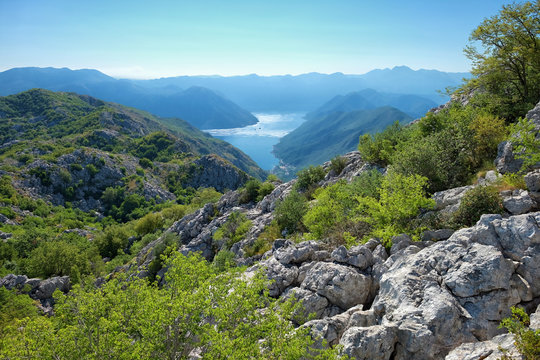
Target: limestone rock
[449, 200]
[485, 350]
[532, 180]
[505, 160]
[519, 203]
[341, 285]
[358, 256]
[369, 343]
[467, 283]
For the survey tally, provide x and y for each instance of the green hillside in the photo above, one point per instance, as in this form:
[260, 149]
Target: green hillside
[69, 119]
[321, 138]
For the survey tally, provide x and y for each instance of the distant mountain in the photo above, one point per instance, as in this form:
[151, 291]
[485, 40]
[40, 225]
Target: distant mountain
[287, 93]
[35, 118]
[413, 105]
[202, 108]
[321, 138]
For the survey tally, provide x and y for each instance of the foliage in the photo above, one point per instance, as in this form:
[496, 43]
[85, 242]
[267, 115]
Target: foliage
[379, 148]
[401, 198]
[507, 68]
[199, 307]
[234, 229]
[14, 306]
[149, 223]
[527, 145]
[224, 260]
[290, 211]
[64, 257]
[448, 147]
[266, 188]
[113, 240]
[476, 202]
[264, 241]
[250, 191]
[337, 164]
[309, 177]
[527, 340]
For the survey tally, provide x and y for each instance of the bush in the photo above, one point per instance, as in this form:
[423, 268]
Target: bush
[527, 340]
[146, 163]
[380, 147]
[149, 223]
[92, 170]
[234, 229]
[476, 202]
[290, 211]
[309, 177]
[527, 144]
[250, 191]
[401, 198]
[337, 164]
[264, 241]
[265, 189]
[113, 239]
[224, 260]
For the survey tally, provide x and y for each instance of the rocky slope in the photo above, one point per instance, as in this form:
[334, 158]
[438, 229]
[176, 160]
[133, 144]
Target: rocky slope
[444, 296]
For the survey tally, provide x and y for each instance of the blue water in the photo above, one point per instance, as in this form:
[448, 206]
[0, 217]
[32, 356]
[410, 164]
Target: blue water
[258, 140]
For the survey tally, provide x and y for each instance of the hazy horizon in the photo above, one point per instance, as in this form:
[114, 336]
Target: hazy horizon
[139, 40]
[233, 75]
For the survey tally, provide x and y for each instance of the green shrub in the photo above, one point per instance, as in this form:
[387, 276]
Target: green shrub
[265, 189]
[113, 239]
[76, 167]
[527, 145]
[264, 241]
[149, 223]
[309, 177]
[380, 147]
[337, 164]
[65, 175]
[401, 198]
[290, 211]
[92, 170]
[250, 191]
[476, 202]
[224, 260]
[527, 340]
[234, 229]
[146, 163]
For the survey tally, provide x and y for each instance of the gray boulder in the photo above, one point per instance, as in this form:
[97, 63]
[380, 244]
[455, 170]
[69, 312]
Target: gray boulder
[505, 162]
[358, 256]
[532, 180]
[486, 350]
[449, 200]
[369, 343]
[518, 203]
[341, 285]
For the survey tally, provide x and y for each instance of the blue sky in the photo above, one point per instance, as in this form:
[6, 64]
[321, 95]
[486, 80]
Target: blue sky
[148, 39]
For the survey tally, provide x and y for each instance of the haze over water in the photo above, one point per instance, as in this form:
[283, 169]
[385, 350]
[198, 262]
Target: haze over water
[258, 140]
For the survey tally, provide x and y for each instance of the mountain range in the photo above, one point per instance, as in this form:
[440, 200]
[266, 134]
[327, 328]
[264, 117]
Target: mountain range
[255, 93]
[201, 107]
[413, 105]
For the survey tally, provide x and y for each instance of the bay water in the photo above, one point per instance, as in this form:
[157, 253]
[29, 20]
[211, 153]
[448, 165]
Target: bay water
[258, 140]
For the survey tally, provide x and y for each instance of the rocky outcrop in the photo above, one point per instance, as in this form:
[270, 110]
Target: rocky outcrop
[506, 161]
[37, 289]
[213, 171]
[467, 283]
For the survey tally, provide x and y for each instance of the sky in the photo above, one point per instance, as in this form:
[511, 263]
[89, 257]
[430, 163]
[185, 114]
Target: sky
[160, 38]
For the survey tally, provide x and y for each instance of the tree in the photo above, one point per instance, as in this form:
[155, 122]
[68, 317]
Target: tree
[507, 68]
